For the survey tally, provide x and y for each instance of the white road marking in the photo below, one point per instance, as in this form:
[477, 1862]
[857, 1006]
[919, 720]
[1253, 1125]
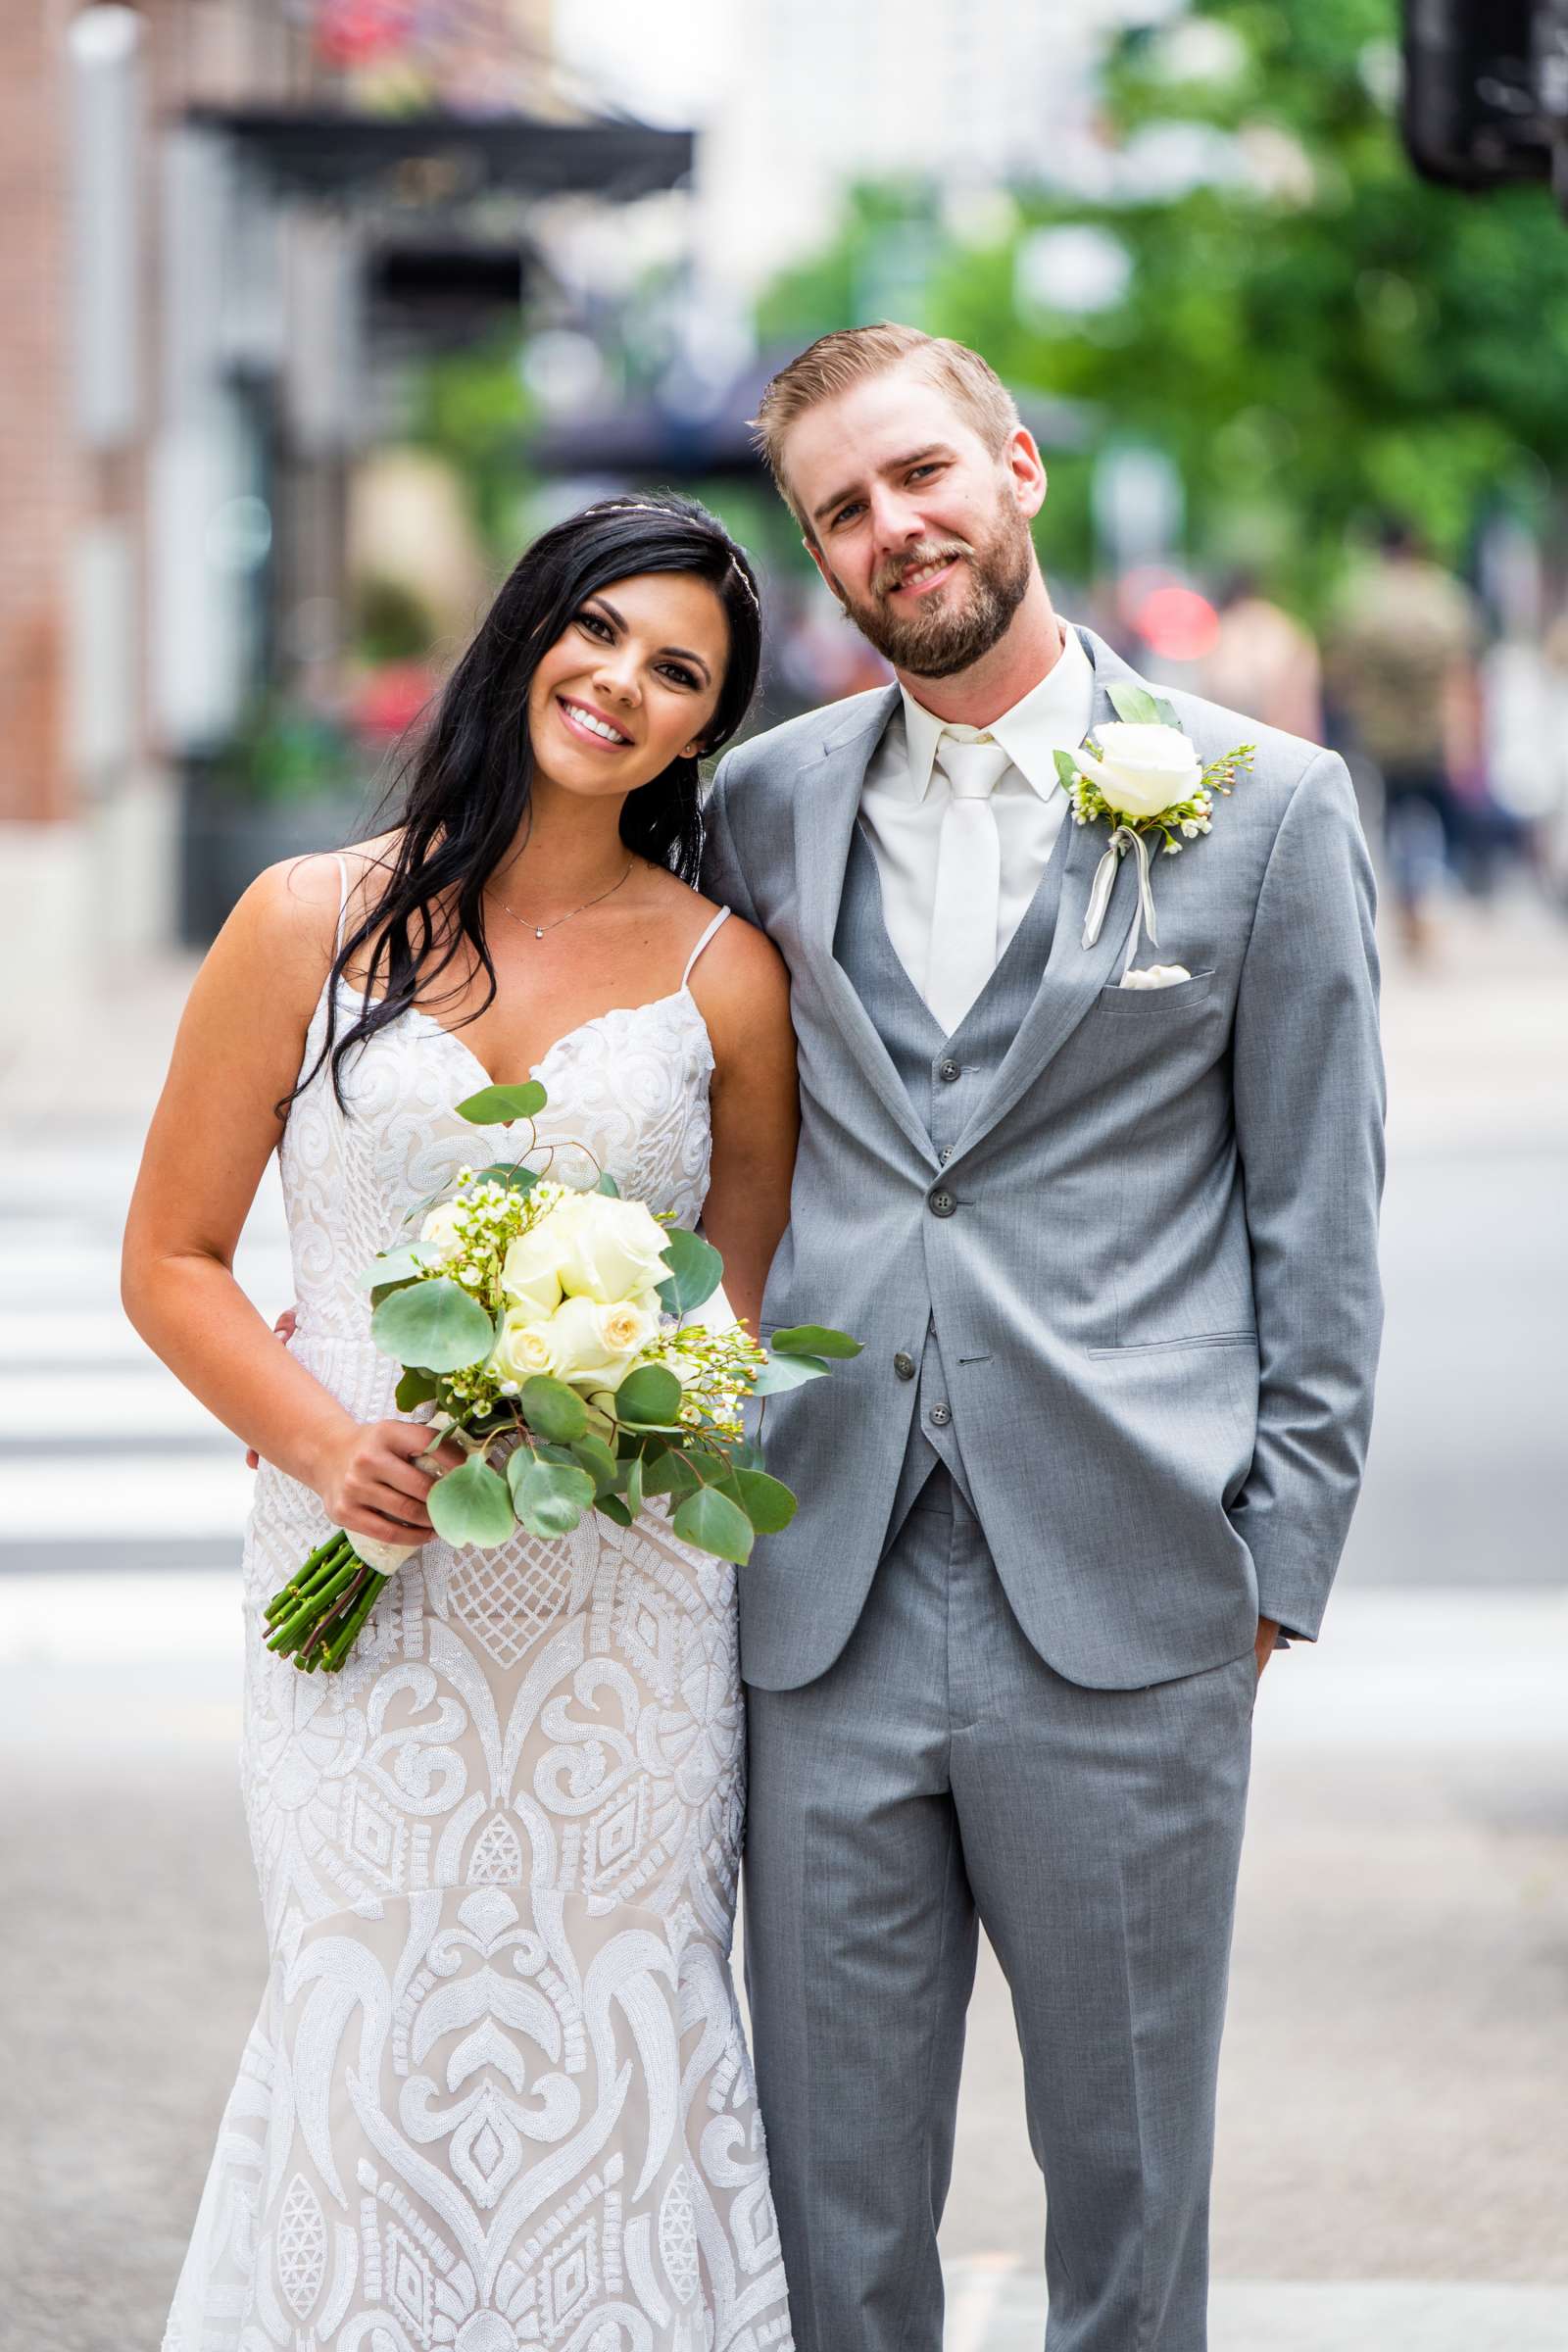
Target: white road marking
[130, 1401]
[65, 1501]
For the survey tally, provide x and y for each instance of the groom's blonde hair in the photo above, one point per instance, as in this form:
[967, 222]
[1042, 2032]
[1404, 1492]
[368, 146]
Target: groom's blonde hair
[850, 354]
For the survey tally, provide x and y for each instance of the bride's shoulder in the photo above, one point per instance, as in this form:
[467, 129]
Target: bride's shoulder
[737, 975]
[286, 922]
[302, 898]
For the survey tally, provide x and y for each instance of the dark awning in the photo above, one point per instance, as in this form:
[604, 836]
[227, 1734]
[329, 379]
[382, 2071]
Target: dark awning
[320, 152]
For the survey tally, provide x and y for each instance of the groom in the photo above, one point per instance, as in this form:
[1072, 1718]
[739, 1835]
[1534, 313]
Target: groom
[1112, 1251]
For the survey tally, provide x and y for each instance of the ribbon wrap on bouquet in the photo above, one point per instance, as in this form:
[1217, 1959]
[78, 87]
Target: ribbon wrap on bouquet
[1123, 839]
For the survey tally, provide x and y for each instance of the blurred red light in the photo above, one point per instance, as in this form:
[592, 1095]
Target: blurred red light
[1179, 625]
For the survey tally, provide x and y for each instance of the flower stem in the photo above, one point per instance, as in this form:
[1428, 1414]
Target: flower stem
[316, 1604]
[344, 1641]
[308, 1577]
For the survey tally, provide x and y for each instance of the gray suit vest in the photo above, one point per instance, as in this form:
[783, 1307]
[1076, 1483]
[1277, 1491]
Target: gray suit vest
[944, 1078]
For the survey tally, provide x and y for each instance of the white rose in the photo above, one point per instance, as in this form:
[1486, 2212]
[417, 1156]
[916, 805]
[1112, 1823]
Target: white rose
[439, 1233]
[593, 1345]
[525, 1346]
[1144, 768]
[529, 1271]
[615, 1249]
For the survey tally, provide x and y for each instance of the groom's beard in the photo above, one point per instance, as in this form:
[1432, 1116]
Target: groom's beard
[950, 636]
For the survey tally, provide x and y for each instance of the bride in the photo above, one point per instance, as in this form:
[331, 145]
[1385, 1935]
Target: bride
[497, 2093]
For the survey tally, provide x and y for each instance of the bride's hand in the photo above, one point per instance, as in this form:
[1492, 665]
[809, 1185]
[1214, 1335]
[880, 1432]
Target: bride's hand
[373, 1485]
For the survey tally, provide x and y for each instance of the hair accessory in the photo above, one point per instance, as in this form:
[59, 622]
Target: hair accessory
[651, 505]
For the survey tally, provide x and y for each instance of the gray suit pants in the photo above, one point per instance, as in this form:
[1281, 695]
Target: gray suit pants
[937, 1774]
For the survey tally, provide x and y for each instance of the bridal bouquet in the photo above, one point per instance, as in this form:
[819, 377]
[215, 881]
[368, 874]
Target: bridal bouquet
[549, 1330]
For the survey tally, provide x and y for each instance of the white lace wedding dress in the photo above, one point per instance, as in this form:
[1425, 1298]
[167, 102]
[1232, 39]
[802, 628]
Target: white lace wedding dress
[497, 2094]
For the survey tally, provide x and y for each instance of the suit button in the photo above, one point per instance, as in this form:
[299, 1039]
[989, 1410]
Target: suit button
[942, 1204]
[947, 1071]
[904, 1365]
[942, 1414]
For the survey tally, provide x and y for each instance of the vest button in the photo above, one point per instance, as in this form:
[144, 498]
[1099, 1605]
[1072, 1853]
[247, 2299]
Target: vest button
[904, 1365]
[942, 1414]
[947, 1071]
[942, 1204]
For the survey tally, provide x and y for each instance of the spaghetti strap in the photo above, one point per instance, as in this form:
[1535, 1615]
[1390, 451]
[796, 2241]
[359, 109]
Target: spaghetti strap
[722, 917]
[342, 905]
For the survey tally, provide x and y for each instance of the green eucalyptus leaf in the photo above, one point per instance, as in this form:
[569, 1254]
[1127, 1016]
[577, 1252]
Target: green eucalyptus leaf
[695, 1271]
[606, 1184]
[711, 1522]
[650, 1395]
[766, 1501]
[670, 1473]
[396, 1267]
[1067, 766]
[1134, 704]
[509, 1171]
[814, 1338]
[593, 1455]
[553, 1409]
[552, 1497]
[614, 1509]
[434, 1325]
[471, 1506]
[1166, 712]
[634, 1485]
[415, 1388]
[782, 1372]
[744, 1455]
[498, 1106]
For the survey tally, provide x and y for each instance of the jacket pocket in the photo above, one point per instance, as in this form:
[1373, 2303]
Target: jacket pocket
[1199, 1339]
[1156, 1003]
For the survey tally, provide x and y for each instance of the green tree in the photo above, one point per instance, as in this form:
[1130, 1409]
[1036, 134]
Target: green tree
[1318, 339]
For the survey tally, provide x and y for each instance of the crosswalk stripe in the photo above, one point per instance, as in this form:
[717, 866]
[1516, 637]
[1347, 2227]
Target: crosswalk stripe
[48, 1501]
[93, 1404]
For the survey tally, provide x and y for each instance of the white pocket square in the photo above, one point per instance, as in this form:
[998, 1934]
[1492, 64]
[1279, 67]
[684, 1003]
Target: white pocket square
[1156, 975]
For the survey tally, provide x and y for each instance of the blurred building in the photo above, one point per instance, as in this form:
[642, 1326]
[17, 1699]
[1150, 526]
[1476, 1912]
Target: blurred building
[228, 221]
[798, 98]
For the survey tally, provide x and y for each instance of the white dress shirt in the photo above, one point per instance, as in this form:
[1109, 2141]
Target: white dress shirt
[905, 796]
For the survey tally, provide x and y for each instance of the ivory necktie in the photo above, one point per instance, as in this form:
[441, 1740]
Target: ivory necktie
[966, 909]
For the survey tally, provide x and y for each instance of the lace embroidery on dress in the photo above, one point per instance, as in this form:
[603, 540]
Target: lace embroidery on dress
[497, 2094]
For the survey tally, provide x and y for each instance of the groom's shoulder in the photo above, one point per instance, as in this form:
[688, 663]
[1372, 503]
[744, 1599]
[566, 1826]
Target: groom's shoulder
[782, 749]
[1281, 763]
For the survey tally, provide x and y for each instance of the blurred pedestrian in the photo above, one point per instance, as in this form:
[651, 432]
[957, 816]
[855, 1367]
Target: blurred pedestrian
[1402, 667]
[1265, 662]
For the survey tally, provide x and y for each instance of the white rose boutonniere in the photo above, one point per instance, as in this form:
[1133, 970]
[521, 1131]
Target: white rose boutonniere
[1145, 779]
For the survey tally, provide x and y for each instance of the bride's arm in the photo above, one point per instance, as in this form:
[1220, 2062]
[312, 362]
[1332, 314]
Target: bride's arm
[238, 1053]
[742, 990]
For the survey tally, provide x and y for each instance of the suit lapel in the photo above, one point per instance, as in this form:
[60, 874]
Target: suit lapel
[826, 805]
[1075, 974]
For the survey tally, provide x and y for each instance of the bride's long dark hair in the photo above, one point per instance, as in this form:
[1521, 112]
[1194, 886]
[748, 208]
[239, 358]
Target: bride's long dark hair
[463, 796]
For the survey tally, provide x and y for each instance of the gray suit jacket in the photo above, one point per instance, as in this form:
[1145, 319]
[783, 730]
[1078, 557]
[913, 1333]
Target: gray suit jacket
[1157, 1295]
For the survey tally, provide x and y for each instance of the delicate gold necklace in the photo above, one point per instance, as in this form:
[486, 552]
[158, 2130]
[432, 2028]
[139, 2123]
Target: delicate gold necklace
[539, 929]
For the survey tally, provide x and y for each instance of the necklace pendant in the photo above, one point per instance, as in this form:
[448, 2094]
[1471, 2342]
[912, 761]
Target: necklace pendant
[538, 933]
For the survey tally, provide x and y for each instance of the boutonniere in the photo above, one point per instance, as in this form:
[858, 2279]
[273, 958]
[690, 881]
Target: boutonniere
[1146, 782]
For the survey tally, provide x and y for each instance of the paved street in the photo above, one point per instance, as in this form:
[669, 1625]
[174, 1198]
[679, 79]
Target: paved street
[1393, 2169]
